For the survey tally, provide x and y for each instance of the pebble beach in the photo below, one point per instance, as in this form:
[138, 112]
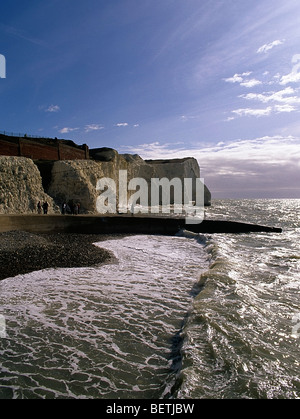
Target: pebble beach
[22, 252]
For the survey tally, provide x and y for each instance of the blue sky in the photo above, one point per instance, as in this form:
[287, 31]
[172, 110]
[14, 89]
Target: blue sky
[218, 80]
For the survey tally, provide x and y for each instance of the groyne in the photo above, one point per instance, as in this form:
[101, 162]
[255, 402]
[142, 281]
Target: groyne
[122, 224]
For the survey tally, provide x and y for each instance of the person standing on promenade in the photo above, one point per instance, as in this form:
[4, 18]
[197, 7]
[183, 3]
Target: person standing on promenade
[45, 207]
[39, 207]
[64, 208]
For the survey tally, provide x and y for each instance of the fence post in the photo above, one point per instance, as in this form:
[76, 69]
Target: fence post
[86, 151]
[20, 147]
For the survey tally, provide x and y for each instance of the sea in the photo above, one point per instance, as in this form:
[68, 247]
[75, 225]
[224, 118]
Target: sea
[194, 316]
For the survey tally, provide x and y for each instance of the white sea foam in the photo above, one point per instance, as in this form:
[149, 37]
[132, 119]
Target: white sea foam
[99, 332]
[113, 331]
[240, 336]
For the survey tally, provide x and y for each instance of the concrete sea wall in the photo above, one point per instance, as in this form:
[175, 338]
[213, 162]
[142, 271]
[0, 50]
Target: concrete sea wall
[121, 225]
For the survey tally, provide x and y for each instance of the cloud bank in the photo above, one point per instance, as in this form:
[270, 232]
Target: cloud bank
[267, 167]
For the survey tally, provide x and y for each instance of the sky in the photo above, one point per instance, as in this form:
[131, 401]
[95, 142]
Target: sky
[218, 80]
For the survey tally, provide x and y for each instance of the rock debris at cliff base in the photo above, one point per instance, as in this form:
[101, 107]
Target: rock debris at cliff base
[22, 252]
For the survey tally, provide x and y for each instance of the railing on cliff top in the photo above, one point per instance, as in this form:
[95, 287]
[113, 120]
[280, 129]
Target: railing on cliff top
[21, 135]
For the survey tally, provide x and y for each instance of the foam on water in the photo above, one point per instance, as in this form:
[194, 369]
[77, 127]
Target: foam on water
[241, 339]
[146, 326]
[110, 331]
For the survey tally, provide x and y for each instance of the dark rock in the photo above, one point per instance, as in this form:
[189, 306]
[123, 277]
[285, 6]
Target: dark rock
[103, 154]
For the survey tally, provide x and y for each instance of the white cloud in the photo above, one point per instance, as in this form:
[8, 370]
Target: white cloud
[243, 80]
[238, 78]
[284, 108]
[253, 112]
[66, 130]
[285, 100]
[282, 101]
[267, 47]
[251, 83]
[235, 79]
[294, 76]
[282, 96]
[52, 108]
[93, 127]
[290, 78]
[122, 124]
[185, 118]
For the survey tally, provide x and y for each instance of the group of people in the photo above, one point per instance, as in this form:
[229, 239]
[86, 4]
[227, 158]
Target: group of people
[42, 207]
[70, 208]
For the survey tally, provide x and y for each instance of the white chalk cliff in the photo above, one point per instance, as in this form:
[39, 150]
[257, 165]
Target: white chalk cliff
[21, 187]
[76, 180]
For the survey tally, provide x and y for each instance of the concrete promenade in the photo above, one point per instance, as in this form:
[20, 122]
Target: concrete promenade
[121, 224]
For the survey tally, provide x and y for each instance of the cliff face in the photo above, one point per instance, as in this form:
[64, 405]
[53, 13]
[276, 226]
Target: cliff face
[187, 168]
[75, 181]
[21, 187]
